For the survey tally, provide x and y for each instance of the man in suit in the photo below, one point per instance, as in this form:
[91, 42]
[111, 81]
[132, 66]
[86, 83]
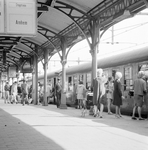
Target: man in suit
[58, 89]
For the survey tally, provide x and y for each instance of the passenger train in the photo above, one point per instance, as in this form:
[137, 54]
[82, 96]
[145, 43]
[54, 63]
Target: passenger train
[127, 62]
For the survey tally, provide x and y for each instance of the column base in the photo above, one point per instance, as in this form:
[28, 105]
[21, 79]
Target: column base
[63, 106]
[63, 101]
[44, 104]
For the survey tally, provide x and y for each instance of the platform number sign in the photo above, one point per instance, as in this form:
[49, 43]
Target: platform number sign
[1, 16]
[20, 17]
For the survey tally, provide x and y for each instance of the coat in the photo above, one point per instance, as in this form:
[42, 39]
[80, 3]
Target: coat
[117, 94]
[98, 89]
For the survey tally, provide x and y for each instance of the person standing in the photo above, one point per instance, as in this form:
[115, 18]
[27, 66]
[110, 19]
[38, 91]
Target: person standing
[109, 94]
[139, 92]
[58, 89]
[117, 94]
[99, 91]
[24, 88]
[7, 89]
[81, 96]
[14, 92]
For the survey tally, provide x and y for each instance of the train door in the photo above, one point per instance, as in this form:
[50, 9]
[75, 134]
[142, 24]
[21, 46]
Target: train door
[81, 77]
[54, 82]
[88, 81]
[70, 84]
[128, 78]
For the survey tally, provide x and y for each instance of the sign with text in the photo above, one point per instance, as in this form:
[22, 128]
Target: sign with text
[2, 16]
[4, 76]
[21, 17]
[12, 72]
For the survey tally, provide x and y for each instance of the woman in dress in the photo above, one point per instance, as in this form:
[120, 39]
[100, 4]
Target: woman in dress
[81, 96]
[109, 94]
[117, 94]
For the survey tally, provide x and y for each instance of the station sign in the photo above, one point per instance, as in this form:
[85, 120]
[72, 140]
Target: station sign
[20, 17]
[4, 76]
[2, 16]
[12, 72]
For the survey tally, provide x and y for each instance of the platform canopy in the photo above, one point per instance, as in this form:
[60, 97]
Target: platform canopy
[64, 18]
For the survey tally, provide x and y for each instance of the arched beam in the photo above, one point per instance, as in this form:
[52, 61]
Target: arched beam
[74, 18]
[46, 30]
[32, 47]
[13, 60]
[51, 44]
[19, 49]
[146, 3]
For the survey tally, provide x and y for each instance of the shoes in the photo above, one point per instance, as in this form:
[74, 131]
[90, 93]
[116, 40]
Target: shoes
[95, 115]
[134, 118]
[100, 117]
[117, 116]
[110, 113]
[141, 119]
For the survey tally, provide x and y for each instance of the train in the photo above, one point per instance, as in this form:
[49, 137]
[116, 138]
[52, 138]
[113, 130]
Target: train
[128, 62]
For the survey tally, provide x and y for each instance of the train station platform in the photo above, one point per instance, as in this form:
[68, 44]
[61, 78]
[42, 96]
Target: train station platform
[37, 127]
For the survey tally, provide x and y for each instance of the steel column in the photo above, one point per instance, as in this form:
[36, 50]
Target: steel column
[94, 46]
[45, 77]
[35, 77]
[63, 62]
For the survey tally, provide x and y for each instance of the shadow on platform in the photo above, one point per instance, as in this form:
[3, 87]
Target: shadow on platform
[17, 135]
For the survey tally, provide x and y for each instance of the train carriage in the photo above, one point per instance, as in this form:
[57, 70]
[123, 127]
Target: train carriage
[127, 62]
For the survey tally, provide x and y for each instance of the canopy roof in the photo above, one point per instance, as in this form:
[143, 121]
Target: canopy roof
[65, 18]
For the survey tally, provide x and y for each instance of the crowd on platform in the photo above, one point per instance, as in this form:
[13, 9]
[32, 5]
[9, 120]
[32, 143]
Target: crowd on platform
[17, 93]
[106, 91]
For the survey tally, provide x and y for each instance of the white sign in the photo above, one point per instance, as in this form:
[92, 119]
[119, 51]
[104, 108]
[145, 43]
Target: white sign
[12, 72]
[2, 16]
[4, 76]
[21, 17]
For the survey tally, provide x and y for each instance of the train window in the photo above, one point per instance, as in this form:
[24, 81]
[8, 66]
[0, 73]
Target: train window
[88, 80]
[75, 79]
[69, 79]
[128, 80]
[81, 77]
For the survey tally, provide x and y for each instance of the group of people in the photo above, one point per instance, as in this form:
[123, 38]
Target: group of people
[108, 90]
[14, 91]
[105, 90]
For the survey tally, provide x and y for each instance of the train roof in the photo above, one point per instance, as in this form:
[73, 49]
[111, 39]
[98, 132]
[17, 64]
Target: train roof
[106, 61]
[112, 60]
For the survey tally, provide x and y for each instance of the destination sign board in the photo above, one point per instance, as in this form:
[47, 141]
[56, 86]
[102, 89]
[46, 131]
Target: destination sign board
[12, 72]
[1, 16]
[21, 17]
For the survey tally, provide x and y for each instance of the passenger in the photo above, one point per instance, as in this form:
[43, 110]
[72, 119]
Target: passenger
[109, 94]
[14, 92]
[7, 89]
[24, 88]
[81, 96]
[117, 94]
[58, 89]
[146, 95]
[41, 93]
[30, 94]
[38, 102]
[139, 92]
[99, 96]
[50, 93]
[19, 91]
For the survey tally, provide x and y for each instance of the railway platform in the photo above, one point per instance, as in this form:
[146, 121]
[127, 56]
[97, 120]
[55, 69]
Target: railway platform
[37, 127]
